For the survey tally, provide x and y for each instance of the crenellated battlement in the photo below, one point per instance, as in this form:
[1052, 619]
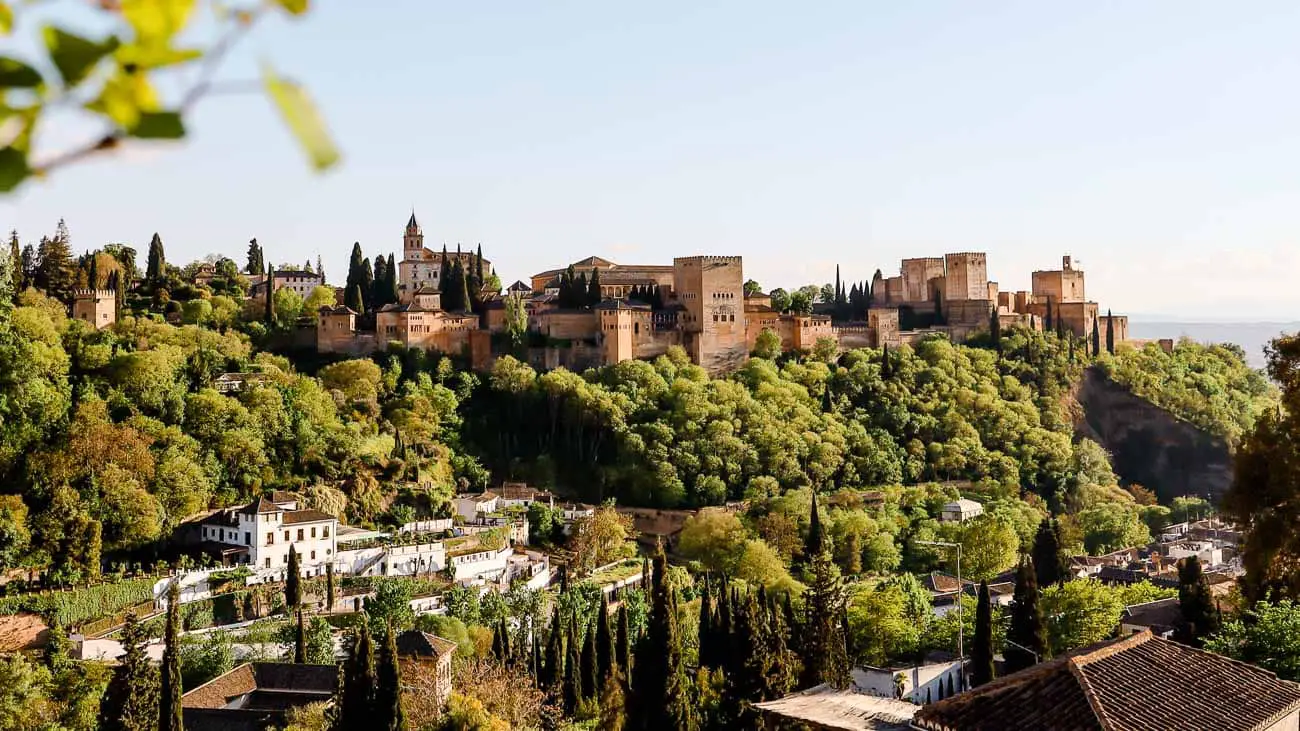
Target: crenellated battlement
[86, 294]
[689, 260]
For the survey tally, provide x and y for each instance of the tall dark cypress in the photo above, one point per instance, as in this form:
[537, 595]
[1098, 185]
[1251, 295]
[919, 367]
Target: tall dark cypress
[572, 695]
[367, 284]
[605, 662]
[270, 295]
[354, 269]
[392, 295]
[624, 644]
[300, 641]
[293, 581]
[388, 714]
[1200, 616]
[660, 687]
[130, 702]
[1026, 634]
[886, 364]
[815, 543]
[356, 700]
[1047, 316]
[255, 263]
[553, 668]
[1110, 333]
[1051, 565]
[1096, 339]
[507, 653]
[708, 650]
[156, 268]
[169, 695]
[995, 331]
[535, 661]
[478, 265]
[379, 287]
[444, 271]
[329, 586]
[981, 655]
[591, 678]
[593, 288]
[825, 656]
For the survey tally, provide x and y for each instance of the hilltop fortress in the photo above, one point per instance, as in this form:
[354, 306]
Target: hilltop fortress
[596, 312]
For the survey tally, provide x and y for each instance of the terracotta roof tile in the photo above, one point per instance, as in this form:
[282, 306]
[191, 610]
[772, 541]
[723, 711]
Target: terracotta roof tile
[306, 516]
[1139, 683]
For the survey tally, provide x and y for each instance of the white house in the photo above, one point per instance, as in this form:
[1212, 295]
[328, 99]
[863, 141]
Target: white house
[520, 494]
[259, 534]
[961, 510]
[924, 683]
[471, 505]
[1205, 551]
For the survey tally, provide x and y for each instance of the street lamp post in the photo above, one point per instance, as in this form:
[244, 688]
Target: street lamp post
[1022, 647]
[961, 655]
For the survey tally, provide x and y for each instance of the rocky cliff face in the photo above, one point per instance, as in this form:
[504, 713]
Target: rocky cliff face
[1149, 445]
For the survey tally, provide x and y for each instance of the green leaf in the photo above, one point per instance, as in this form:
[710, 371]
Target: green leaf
[294, 7]
[154, 56]
[124, 97]
[73, 55]
[15, 74]
[301, 117]
[159, 126]
[156, 21]
[13, 169]
[6, 19]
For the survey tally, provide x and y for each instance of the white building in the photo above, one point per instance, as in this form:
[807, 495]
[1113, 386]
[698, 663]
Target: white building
[959, 511]
[519, 494]
[261, 533]
[1205, 551]
[301, 282]
[916, 683]
[471, 505]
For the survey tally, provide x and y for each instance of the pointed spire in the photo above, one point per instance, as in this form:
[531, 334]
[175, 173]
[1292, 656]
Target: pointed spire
[412, 226]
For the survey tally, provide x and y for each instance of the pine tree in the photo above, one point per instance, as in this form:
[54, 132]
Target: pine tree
[1200, 616]
[130, 701]
[156, 268]
[605, 662]
[815, 543]
[1096, 339]
[56, 274]
[624, 644]
[357, 695]
[15, 265]
[300, 641]
[1051, 565]
[660, 687]
[1110, 333]
[169, 695]
[388, 714]
[981, 656]
[1026, 628]
[825, 658]
[255, 263]
[293, 581]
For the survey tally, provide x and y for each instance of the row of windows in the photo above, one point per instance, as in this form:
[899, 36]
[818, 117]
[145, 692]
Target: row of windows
[267, 562]
[724, 318]
[724, 295]
[270, 535]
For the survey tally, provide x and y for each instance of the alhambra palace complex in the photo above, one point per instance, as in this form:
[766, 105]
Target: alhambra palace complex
[700, 304]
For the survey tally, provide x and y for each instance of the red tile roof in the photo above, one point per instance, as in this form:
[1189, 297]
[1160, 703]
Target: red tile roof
[1139, 683]
[306, 516]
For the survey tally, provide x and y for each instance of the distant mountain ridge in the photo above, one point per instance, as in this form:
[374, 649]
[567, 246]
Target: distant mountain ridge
[1251, 336]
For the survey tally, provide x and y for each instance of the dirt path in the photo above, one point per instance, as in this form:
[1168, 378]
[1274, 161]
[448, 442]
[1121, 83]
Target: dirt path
[21, 632]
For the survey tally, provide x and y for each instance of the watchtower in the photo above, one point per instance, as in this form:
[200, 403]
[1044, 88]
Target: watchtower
[98, 307]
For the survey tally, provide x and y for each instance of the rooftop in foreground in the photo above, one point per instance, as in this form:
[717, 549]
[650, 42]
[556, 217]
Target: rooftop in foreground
[825, 707]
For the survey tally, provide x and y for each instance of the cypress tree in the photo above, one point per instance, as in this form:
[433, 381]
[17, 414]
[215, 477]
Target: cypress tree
[981, 656]
[708, 652]
[329, 586]
[605, 661]
[825, 658]
[356, 700]
[624, 657]
[270, 295]
[591, 677]
[1096, 339]
[1051, 565]
[886, 366]
[573, 669]
[781, 672]
[927, 696]
[169, 695]
[593, 288]
[1110, 333]
[535, 661]
[1200, 616]
[478, 265]
[367, 284]
[388, 714]
[379, 287]
[156, 268]
[130, 701]
[995, 331]
[444, 272]
[660, 687]
[355, 268]
[300, 642]
[392, 295]
[1047, 316]
[354, 301]
[506, 651]
[1026, 628]
[553, 669]
[320, 269]
[293, 581]
[815, 543]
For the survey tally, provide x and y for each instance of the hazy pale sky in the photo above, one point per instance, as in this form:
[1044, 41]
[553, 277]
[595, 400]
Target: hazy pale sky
[1156, 142]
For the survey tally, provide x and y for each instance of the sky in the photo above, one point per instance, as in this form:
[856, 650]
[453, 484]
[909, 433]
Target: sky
[1155, 142]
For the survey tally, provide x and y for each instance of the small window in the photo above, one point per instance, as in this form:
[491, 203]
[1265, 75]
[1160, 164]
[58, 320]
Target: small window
[270, 538]
[300, 532]
[248, 538]
[313, 555]
[286, 558]
[326, 532]
[286, 536]
[268, 562]
[313, 532]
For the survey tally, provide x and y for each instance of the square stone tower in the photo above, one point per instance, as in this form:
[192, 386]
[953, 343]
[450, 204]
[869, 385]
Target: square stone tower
[98, 307]
[967, 277]
[917, 274]
[712, 290]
